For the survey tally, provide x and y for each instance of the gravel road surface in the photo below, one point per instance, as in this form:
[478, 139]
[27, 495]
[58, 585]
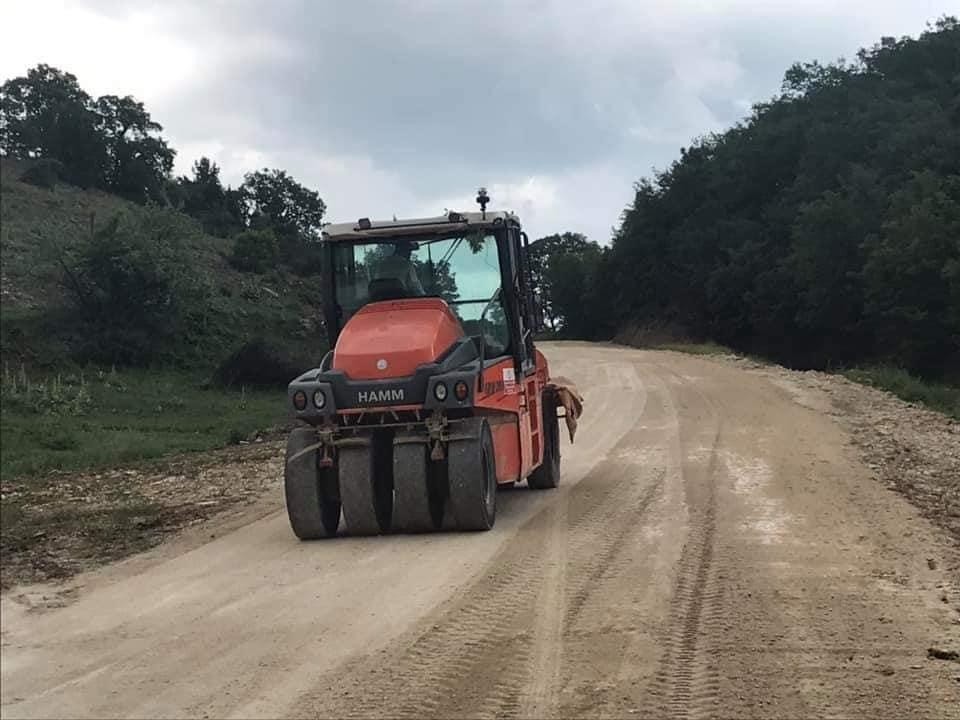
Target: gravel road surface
[716, 548]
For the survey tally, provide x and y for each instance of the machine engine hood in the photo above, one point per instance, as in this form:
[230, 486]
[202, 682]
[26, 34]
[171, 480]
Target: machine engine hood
[390, 339]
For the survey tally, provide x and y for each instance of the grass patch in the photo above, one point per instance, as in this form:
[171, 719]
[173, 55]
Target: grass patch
[96, 419]
[692, 348]
[945, 398]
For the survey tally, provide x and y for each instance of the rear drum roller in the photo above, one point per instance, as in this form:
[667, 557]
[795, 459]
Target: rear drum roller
[355, 466]
[313, 502]
[473, 477]
[411, 496]
[548, 474]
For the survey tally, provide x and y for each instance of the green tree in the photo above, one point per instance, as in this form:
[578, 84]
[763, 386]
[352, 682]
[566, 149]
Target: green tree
[294, 213]
[911, 281]
[203, 197]
[46, 114]
[564, 268]
[133, 299]
[138, 160]
[255, 251]
[111, 142]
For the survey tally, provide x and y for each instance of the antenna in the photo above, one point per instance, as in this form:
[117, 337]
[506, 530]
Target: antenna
[483, 199]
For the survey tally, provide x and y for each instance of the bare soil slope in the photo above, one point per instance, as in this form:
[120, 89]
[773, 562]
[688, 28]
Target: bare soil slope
[718, 547]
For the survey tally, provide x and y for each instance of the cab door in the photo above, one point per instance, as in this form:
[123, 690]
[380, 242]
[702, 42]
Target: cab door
[516, 283]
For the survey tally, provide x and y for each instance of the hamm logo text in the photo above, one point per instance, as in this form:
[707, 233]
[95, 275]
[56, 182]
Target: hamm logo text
[373, 396]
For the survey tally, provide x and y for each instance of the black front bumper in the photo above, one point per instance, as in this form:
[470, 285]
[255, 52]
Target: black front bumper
[459, 364]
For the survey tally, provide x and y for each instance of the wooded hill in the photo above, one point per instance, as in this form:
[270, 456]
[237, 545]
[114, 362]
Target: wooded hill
[823, 230]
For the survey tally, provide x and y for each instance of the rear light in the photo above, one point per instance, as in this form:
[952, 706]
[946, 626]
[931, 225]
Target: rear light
[461, 391]
[300, 400]
[319, 400]
[440, 391]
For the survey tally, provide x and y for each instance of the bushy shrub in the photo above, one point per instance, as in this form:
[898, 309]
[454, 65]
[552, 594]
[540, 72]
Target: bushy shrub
[45, 173]
[255, 251]
[131, 293]
[258, 364]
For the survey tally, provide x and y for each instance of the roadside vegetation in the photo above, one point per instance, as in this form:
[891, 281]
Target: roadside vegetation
[938, 396]
[62, 502]
[95, 419]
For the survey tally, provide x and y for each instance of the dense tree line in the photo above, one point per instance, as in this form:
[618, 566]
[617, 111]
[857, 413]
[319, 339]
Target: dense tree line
[822, 230]
[112, 143]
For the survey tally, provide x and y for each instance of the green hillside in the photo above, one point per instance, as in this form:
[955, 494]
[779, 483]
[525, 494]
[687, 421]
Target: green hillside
[41, 228]
[64, 409]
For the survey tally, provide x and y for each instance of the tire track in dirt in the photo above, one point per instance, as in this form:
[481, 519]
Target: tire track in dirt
[548, 629]
[566, 561]
[494, 651]
[589, 558]
[686, 683]
[594, 560]
[683, 685]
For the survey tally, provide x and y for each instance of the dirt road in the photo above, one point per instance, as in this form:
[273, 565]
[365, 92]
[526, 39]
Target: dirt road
[716, 548]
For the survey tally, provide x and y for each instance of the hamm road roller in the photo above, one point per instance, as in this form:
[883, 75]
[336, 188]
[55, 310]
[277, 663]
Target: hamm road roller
[434, 393]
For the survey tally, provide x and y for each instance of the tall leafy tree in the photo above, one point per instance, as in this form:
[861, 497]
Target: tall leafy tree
[566, 270]
[275, 199]
[46, 114]
[910, 276]
[204, 197]
[110, 142]
[138, 160]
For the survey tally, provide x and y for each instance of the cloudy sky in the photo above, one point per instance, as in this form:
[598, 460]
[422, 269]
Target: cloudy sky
[407, 106]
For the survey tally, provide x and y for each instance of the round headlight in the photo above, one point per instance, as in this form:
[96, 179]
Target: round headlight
[440, 391]
[319, 399]
[300, 400]
[461, 391]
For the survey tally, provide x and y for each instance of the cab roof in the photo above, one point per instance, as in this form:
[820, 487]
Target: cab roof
[438, 225]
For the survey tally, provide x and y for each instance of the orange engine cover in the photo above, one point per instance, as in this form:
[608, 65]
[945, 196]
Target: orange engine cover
[390, 339]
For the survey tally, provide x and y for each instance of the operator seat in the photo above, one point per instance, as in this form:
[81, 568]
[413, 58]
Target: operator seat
[386, 288]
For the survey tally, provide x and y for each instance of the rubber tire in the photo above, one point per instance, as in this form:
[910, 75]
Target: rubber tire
[313, 503]
[355, 467]
[411, 496]
[547, 475]
[473, 478]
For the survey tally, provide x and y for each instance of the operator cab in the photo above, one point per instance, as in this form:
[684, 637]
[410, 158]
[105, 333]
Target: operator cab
[475, 262]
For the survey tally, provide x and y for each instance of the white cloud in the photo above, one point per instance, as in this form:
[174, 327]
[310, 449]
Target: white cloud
[587, 200]
[109, 55]
[558, 106]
